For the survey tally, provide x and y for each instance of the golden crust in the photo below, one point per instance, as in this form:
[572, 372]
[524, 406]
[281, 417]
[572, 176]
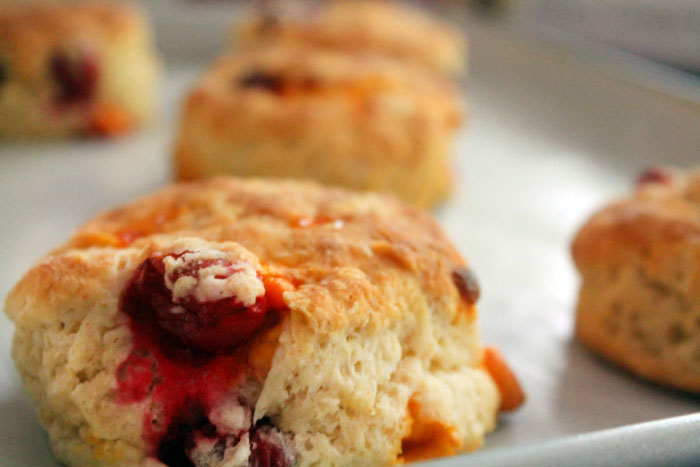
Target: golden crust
[378, 347]
[386, 28]
[354, 120]
[300, 231]
[640, 263]
[116, 39]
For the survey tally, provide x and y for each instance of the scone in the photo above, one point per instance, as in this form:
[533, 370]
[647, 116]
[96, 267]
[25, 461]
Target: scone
[639, 258]
[251, 323]
[358, 121]
[82, 68]
[384, 27]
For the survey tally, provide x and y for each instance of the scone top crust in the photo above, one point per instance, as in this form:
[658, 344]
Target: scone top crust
[308, 234]
[386, 28]
[29, 32]
[282, 91]
[291, 83]
[659, 225]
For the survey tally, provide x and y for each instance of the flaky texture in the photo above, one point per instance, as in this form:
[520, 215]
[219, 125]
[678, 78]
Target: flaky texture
[383, 27]
[296, 112]
[639, 259]
[83, 68]
[377, 361]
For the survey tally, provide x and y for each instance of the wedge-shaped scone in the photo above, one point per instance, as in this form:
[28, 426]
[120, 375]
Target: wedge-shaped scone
[248, 323]
[387, 28]
[81, 68]
[639, 258]
[358, 121]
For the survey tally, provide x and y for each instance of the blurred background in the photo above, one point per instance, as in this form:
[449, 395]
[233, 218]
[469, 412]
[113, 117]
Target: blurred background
[667, 32]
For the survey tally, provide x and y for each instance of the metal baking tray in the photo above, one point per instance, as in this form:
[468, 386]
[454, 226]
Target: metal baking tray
[553, 133]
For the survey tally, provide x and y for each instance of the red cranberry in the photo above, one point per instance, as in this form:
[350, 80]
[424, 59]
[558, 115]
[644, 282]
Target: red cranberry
[259, 79]
[211, 327]
[269, 21]
[178, 440]
[76, 77]
[467, 284]
[135, 377]
[654, 175]
[276, 84]
[4, 74]
[269, 447]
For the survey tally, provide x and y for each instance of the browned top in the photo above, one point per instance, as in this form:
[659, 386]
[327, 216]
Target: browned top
[659, 225]
[351, 257]
[294, 70]
[384, 27]
[287, 89]
[60, 19]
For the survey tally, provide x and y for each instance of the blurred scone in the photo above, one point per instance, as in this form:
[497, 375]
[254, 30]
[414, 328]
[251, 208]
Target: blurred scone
[84, 68]
[383, 27]
[639, 258]
[231, 322]
[358, 121]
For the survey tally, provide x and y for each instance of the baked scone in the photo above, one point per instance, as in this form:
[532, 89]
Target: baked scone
[78, 68]
[384, 27]
[359, 121]
[229, 322]
[639, 258]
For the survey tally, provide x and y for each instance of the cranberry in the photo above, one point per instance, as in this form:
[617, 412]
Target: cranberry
[654, 175]
[269, 447]
[467, 284]
[4, 74]
[135, 376]
[76, 78]
[178, 440]
[269, 21]
[210, 327]
[180, 360]
[259, 79]
[277, 84]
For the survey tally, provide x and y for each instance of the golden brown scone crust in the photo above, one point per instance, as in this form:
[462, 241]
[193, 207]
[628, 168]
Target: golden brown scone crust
[382, 27]
[45, 26]
[365, 231]
[358, 121]
[639, 304]
[114, 35]
[378, 361]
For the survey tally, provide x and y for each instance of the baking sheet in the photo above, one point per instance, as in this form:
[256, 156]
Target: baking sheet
[551, 136]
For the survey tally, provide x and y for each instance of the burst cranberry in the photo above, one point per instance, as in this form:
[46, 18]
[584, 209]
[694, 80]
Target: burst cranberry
[3, 73]
[211, 327]
[467, 284]
[269, 447]
[654, 175]
[277, 84]
[269, 22]
[135, 376]
[173, 447]
[76, 78]
[259, 79]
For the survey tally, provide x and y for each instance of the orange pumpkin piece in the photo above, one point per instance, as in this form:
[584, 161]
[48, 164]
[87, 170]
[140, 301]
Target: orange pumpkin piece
[512, 395]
